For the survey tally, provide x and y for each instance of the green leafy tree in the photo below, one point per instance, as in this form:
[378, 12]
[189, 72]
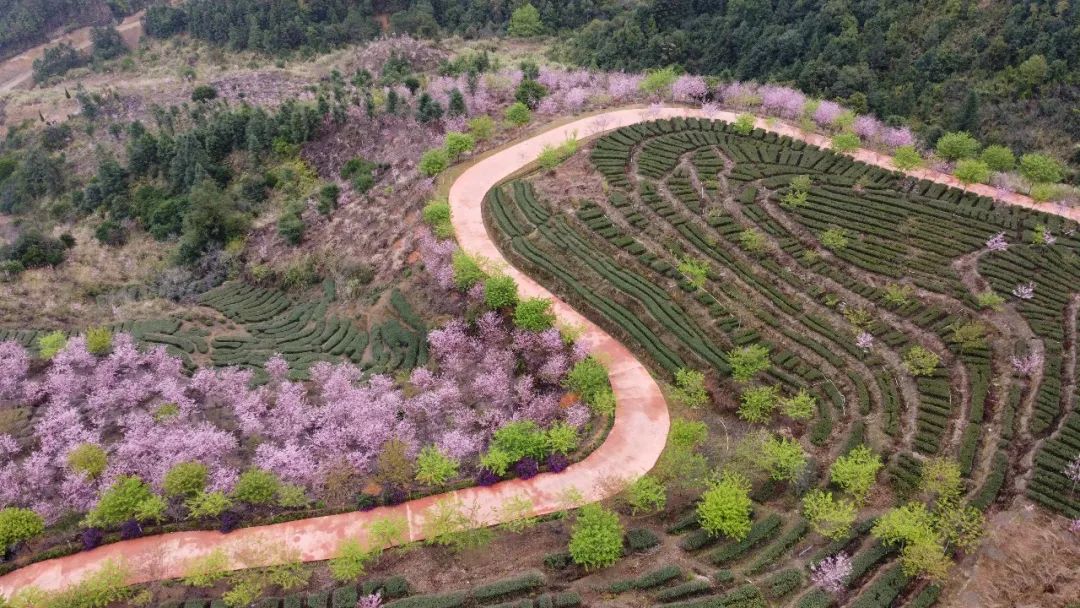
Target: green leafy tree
[747, 361]
[457, 144]
[99, 340]
[562, 438]
[350, 562]
[828, 517]
[758, 403]
[687, 434]
[856, 472]
[208, 504]
[434, 162]
[744, 124]
[646, 495]
[920, 361]
[518, 114]
[752, 240]
[51, 343]
[88, 459]
[530, 93]
[207, 570]
[989, 299]
[957, 145]
[482, 127]
[783, 458]
[696, 272]
[1041, 169]
[1032, 72]
[525, 22]
[834, 239]
[534, 314]
[800, 406]
[689, 389]
[519, 439]
[907, 158]
[435, 468]
[972, 171]
[437, 215]
[658, 82]
[941, 480]
[120, 502]
[845, 142]
[500, 291]
[725, 507]
[596, 540]
[998, 158]
[589, 379]
[18, 525]
[467, 270]
[256, 487]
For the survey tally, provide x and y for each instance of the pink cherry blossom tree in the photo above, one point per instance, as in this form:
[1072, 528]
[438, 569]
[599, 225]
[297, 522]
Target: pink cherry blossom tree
[831, 573]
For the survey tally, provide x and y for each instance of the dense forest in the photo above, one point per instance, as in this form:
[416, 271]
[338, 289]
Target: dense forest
[25, 23]
[991, 68]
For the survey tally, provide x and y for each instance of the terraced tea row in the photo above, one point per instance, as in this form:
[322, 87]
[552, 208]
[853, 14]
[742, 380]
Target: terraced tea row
[885, 297]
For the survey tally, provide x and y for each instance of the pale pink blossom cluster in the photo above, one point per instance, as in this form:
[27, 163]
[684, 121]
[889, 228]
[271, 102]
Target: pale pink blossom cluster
[1026, 365]
[831, 573]
[1072, 470]
[865, 340]
[1024, 291]
[740, 94]
[997, 242]
[783, 101]
[148, 416]
[867, 127]
[896, 137]
[621, 86]
[689, 88]
[827, 113]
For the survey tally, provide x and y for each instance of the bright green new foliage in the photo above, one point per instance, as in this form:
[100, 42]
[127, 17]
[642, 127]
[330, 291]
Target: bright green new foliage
[856, 471]
[534, 314]
[800, 406]
[256, 487]
[748, 361]
[17, 525]
[783, 458]
[185, 479]
[89, 459]
[725, 507]
[500, 291]
[121, 502]
[435, 468]
[690, 388]
[647, 495]
[829, 517]
[758, 403]
[597, 537]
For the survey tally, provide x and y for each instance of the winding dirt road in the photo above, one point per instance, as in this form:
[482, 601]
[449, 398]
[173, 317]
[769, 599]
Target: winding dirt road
[631, 449]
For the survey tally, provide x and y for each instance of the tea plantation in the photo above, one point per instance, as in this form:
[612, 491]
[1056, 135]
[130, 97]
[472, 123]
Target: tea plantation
[708, 240]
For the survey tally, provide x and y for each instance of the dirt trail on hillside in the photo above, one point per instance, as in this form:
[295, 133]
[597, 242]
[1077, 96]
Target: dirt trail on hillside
[18, 72]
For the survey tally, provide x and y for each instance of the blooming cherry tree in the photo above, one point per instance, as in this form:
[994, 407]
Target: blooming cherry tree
[1024, 291]
[997, 242]
[831, 573]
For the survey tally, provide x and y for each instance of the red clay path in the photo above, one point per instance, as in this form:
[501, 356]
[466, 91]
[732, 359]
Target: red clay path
[631, 449]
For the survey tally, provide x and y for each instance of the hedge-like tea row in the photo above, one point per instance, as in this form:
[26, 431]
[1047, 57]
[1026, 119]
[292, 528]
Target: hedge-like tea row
[304, 334]
[760, 532]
